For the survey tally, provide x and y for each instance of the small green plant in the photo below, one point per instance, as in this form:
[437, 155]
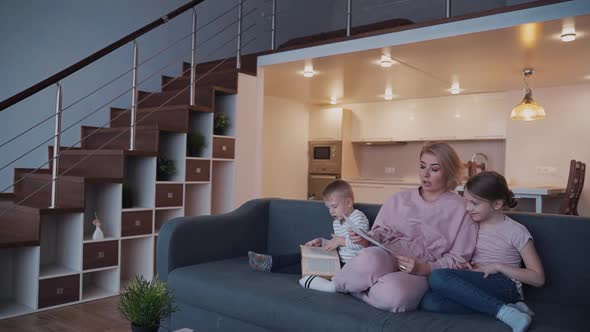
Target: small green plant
[145, 303]
[194, 144]
[166, 169]
[127, 196]
[220, 123]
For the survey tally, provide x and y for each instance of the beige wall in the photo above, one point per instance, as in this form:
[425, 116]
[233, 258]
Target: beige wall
[563, 135]
[248, 141]
[284, 160]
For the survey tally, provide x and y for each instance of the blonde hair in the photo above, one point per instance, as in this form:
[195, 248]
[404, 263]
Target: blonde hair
[449, 161]
[340, 187]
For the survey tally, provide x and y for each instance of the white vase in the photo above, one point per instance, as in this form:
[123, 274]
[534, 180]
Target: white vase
[98, 234]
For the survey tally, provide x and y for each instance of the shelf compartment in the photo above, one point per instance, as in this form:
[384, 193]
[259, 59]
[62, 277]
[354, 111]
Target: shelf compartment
[173, 147]
[139, 188]
[104, 201]
[202, 123]
[135, 223]
[198, 170]
[61, 290]
[168, 195]
[136, 259]
[222, 186]
[18, 280]
[101, 254]
[61, 245]
[226, 104]
[223, 147]
[197, 199]
[100, 284]
[163, 216]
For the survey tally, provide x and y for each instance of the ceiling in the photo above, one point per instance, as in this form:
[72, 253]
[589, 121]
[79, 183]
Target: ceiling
[481, 62]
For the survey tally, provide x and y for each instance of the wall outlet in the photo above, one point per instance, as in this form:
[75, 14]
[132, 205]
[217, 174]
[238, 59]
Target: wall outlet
[546, 170]
[389, 170]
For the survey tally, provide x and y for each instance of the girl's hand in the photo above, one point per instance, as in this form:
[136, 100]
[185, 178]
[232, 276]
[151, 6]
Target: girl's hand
[488, 269]
[317, 242]
[406, 264]
[357, 239]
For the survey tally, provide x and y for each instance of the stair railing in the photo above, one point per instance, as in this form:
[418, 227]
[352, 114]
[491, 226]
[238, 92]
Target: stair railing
[55, 79]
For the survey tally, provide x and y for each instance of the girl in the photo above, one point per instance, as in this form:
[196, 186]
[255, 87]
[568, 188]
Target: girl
[494, 277]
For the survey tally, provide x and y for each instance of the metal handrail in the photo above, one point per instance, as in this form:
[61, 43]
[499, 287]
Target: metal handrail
[116, 117]
[95, 56]
[123, 93]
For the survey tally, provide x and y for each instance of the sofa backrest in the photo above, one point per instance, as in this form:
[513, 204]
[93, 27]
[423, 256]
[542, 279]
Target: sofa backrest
[562, 243]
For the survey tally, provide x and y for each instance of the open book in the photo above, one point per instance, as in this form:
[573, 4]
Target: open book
[366, 236]
[320, 262]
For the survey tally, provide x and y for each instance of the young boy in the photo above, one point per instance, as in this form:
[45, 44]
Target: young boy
[339, 200]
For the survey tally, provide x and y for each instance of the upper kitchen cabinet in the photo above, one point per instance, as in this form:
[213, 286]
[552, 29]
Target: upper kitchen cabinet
[469, 117]
[325, 124]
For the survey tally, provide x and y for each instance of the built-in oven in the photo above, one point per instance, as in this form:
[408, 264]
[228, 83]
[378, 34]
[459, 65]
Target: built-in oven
[325, 157]
[317, 183]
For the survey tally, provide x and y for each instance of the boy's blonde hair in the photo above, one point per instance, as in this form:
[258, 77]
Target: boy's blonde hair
[340, 187]
[449, 161]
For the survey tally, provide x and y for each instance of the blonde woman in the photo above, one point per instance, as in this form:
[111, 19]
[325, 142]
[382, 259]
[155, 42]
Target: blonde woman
[427, 228]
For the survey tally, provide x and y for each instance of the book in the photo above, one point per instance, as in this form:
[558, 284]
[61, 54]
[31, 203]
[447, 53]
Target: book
[319, 261]
[366, 236]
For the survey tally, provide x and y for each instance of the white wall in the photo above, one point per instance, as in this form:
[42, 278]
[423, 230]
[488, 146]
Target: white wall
[248, 141]
[285, 135]
[562, 136]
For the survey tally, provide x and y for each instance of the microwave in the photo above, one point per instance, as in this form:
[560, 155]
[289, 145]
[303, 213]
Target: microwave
[325, 157]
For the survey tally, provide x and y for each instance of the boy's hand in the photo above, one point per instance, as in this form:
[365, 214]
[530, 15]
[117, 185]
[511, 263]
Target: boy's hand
[357, 239]
[340, 240]
[331, 245]
[317, 242]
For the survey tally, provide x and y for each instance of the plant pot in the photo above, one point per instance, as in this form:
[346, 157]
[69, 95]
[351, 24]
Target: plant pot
[220, 132]
[195, 152]
[144, 329]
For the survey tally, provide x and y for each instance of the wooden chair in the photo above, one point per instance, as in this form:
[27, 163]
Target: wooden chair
[575, 184]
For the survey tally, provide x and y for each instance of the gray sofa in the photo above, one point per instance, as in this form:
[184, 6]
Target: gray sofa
[204, 261]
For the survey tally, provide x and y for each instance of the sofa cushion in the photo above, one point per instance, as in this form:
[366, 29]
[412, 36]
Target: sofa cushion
[277, 302]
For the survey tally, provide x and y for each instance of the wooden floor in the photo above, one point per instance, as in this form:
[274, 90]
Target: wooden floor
[100, 315]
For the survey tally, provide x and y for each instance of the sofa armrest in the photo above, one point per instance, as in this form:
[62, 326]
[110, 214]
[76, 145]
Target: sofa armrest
[188, 241]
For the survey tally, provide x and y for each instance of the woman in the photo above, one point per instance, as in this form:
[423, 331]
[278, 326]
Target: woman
[427, 228]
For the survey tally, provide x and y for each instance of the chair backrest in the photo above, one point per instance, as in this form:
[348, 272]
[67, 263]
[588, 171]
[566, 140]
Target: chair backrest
[573, 191]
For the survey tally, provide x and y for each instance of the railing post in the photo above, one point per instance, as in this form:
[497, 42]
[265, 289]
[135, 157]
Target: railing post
[448, 8]
[273, 25]
[133, 120]
[238, 60]
[193, 57]
[348, 17]
[56, 145]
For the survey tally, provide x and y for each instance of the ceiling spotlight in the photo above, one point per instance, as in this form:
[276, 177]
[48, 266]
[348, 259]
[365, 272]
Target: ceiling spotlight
[308, 72]
[333, 101]
[455, 88]
[386, 61]
[388, 94]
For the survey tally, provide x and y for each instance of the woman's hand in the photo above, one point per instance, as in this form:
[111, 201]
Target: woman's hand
[317, 242]
[357, 239]
[410, 265]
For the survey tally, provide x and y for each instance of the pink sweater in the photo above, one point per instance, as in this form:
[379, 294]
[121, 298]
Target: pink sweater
[439, 232]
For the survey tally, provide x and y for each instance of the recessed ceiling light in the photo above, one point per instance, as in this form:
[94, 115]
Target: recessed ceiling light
[568, 37]
[308, 72]
[455, 88]
[333, 101]
[568, 32]
[386, 61]
[388, 94]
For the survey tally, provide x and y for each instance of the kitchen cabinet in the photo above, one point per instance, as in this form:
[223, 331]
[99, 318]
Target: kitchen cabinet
[325, 124]
[375, 192]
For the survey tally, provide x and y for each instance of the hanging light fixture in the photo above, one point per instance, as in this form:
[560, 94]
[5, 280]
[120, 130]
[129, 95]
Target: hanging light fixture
[527, 109]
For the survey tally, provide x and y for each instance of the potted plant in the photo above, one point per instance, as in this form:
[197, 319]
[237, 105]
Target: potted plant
[165, 169]
[220, 123]
[194, 144]
[144, 303]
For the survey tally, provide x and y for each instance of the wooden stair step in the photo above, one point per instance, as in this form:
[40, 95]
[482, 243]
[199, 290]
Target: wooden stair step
[227, 79]
[99, 165]
[204, 95]
[163, 99]
[170, 118]
[70, 189]
[248, 65]
[146, 138]
[19, 224]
